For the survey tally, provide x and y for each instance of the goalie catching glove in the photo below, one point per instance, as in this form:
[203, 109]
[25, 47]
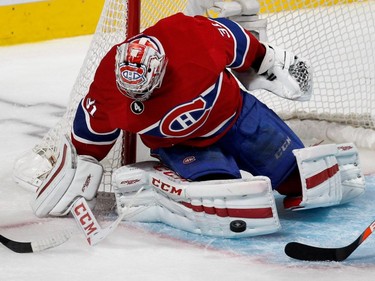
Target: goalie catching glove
[282, 73]
[71, 177]
[150, 192]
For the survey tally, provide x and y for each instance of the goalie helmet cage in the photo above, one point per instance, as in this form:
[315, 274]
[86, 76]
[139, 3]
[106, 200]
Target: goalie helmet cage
[337, 36]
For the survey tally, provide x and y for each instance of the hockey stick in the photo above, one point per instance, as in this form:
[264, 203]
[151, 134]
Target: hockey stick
[34, 246]
[310, 253]
[88, 223]
[86, 220]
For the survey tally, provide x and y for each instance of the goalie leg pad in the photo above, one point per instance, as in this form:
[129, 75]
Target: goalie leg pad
[211, 214]
[352, 178]
[71, 177]
[206, 208]
[330, 175]
[133, 193]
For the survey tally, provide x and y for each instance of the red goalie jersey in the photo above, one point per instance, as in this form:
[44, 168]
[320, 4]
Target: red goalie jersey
[198, 101]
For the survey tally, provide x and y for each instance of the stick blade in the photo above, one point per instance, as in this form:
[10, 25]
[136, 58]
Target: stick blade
[35, 246]
[51, 242]
[17, 247]
[305, 252]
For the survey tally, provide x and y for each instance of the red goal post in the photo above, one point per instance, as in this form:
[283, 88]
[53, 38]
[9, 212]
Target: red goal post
[128, 154]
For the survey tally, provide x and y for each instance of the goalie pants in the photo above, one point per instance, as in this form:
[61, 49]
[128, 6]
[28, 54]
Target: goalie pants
[260, 142]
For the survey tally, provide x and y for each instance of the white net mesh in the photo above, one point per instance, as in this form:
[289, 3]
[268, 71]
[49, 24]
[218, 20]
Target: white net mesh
[339, 41]
[336, 36]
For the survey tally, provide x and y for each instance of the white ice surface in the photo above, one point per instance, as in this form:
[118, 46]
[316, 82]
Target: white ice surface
[35, 82]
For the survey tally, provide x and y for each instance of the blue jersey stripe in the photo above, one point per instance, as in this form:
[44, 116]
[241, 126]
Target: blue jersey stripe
[83, 132]
[241, 41]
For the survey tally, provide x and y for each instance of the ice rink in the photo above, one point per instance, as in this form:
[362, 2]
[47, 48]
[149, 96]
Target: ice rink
[35, 83]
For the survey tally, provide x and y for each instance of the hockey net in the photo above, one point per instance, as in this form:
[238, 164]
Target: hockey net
[337, 36]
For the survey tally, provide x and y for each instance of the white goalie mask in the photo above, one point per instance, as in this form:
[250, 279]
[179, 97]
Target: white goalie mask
[140, 67]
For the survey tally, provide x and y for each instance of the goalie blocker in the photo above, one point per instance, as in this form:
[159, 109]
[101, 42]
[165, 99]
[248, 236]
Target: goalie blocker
[73, 176]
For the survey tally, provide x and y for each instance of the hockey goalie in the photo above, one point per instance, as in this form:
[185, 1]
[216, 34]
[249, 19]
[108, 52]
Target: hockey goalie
[184, 86]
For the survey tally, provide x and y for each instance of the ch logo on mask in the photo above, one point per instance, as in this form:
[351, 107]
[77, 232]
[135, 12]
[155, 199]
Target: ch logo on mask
[133, 75]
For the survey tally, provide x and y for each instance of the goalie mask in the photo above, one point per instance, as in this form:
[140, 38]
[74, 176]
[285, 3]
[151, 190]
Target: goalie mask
[140, 67]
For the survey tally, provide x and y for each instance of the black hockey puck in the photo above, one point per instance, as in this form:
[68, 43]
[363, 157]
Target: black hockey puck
[237, 226]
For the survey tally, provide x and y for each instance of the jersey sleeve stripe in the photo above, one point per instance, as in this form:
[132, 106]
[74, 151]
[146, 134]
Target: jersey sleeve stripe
[83, 132]
[241, 41]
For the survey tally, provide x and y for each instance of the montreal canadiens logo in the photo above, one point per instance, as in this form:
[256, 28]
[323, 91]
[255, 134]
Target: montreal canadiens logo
[185, 119]
[188, 160]
[132, 74]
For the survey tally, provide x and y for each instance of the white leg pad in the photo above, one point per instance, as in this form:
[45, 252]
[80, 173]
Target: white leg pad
[330, 175]
[206, 208]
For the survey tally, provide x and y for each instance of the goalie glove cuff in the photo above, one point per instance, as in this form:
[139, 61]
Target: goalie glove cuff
[268, 60]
